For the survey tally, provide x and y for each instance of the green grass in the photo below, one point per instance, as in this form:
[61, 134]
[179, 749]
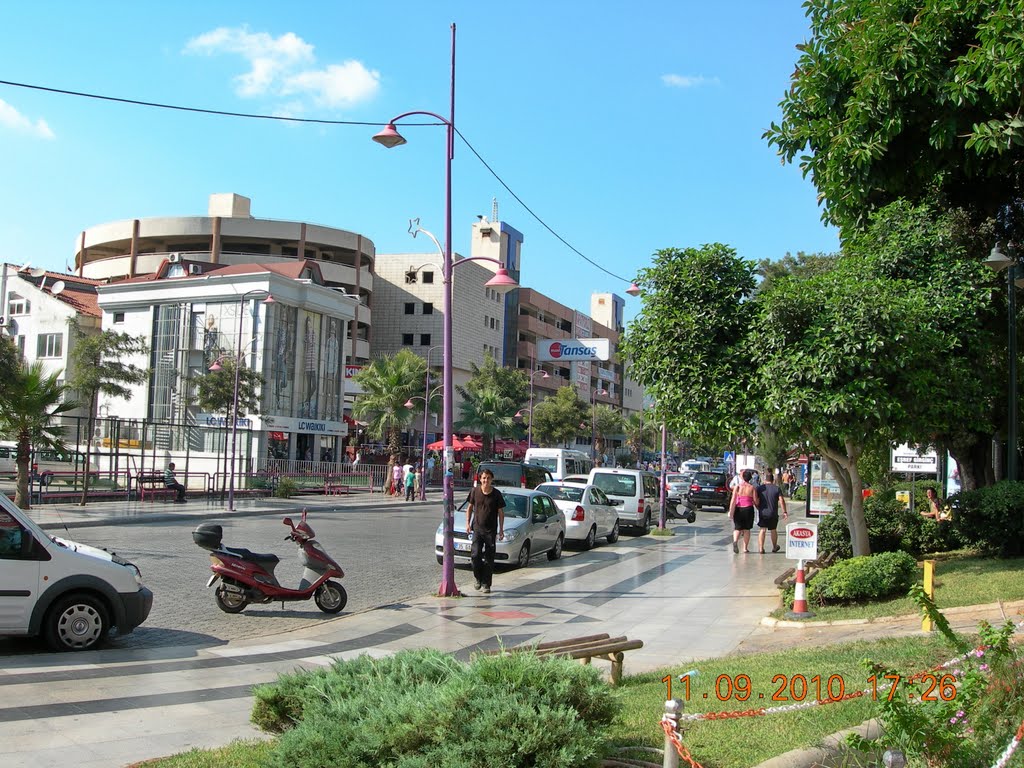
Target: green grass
[960, 579]
[237, 754]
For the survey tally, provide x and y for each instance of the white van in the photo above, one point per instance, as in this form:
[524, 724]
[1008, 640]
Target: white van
[694, 465]
[560, 462]
[71, 594]
[639, 492]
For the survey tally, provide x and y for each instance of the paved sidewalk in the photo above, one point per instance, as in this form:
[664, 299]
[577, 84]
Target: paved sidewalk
[687, 597]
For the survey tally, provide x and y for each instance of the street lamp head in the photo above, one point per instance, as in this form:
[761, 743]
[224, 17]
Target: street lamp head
[409, 403]
[270, 299]
[502, 282]
[633, 290]
[997, 260]
[389, 137]
[216, 366]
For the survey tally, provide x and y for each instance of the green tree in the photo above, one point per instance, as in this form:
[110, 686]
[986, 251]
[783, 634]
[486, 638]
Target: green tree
[215, 393]
[606, 421]
[97, 366]
[772, 447]
[688, 343]
[509, 383]
[559, 418]
[387, 385]
[639, 433]
[29, 408]
[9, 361]
[803, 264]
[892, 98]
[488, 412]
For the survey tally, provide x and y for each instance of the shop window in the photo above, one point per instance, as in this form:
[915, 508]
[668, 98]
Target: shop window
[407, 339]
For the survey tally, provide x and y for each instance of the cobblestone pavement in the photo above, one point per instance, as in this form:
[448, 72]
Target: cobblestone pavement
[387, 556]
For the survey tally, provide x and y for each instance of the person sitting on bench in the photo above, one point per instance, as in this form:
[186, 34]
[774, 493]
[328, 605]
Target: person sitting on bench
[172, 483]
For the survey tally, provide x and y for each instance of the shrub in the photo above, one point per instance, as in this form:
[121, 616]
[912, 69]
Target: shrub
[286, 488]
[864, 578]
[891, 528]
[991, 519]
[423, 709]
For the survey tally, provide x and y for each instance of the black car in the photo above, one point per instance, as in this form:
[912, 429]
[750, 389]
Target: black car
[708, 489]
[514, 474]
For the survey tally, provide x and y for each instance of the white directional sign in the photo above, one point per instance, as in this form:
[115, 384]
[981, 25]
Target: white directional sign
[906, 458]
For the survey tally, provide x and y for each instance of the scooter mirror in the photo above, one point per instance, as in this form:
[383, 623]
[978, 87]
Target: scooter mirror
[288, 521]
[303, 515]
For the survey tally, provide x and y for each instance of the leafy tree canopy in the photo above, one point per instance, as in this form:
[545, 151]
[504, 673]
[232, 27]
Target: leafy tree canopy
[891, 97]
[558, 419]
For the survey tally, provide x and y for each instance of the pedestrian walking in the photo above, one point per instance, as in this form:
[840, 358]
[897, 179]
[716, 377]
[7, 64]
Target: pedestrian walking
[171, 482]
[410, 483]
[396, 478]
[741, 511]
[485, 517]
[418, 471]
[770, 496]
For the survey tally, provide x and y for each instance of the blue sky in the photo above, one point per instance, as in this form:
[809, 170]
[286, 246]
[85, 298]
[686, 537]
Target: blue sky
[627, 127]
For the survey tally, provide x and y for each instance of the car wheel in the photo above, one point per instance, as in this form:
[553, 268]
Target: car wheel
[591, 540]
[331, 597]
[614, 535]
[524, 556]
[556, 552]
[645, 526]
[76, 623]
[440, 560]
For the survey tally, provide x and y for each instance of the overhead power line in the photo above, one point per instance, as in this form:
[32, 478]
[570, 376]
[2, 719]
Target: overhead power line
[316, 121]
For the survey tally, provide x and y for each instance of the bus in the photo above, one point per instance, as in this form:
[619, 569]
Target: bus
[560, 462]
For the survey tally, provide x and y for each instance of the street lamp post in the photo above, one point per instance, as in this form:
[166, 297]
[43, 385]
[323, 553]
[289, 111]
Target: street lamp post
[390, 137]
[234, 398]
[529, 429]
[999, 261]
[593, 421]
[664, 475]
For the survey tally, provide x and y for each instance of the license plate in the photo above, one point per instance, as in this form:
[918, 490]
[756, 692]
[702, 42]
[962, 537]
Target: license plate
[463, 546]
[707, 490]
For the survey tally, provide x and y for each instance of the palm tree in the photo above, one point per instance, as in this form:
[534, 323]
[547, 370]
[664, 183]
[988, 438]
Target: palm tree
[387, 384]
[607, 421]
[486, 410]
[637, 433]
[28, 411]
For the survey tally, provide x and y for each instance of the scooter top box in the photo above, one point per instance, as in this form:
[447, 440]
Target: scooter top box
[208, 535]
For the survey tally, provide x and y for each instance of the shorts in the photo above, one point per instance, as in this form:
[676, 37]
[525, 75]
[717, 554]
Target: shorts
[767, 522]
[743, 518]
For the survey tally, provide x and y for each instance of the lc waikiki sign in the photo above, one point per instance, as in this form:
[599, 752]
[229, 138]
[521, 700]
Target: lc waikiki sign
[572, 350]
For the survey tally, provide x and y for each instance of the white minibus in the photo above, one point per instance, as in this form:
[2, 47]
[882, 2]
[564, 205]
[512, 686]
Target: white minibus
[560, 462]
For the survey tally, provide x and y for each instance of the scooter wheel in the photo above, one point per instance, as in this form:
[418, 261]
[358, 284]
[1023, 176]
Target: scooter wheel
[331, 597]
[692, 517]
[230, 602]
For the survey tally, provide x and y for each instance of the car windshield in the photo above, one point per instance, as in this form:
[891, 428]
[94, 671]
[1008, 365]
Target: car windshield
[515, 506]
[675, 478]
[708, 478]
[562, 492]
[616, 485]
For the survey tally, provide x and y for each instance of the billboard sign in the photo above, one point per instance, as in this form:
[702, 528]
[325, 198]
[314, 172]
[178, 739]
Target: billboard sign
[825, 491]
[907, 458]
[572, 350]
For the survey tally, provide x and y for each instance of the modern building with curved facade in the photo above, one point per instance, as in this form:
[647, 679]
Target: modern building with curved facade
[229, 235]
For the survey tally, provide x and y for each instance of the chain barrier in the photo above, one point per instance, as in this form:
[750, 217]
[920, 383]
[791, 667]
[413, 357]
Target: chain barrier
[669, 726]
[1004, 759]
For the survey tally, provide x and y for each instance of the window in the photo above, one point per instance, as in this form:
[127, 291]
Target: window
[428, 308]
[428, 277]
[20, 344]
[407, 339]
[119, 317]
[493, 322]
[49, 345]
[410, 308]
[18, 305]
[424, 339]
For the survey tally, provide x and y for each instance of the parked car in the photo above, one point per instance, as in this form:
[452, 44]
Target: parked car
[589, 513]
[514, 474]
[677, 484]
[71, 594]
[638, 491]
[709, 489]
[533, 525]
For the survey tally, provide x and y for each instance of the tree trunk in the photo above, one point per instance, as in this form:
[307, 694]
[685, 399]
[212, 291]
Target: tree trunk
[973, 456]
[851, 487]
[22, 493]
[88, 449]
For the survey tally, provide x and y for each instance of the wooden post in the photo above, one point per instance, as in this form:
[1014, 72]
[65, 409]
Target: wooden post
[617, 668]
[929, 589]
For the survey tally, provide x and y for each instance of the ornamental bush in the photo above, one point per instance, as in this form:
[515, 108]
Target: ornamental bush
[864, 578]
[423, 709]
[991, 519]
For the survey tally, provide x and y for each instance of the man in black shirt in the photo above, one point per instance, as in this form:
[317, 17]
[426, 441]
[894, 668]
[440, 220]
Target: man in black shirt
[485, 518]
[768, 516]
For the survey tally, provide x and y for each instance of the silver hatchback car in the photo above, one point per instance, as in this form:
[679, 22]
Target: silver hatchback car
[533, 524]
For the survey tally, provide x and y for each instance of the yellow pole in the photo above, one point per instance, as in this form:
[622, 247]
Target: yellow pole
[929, 589]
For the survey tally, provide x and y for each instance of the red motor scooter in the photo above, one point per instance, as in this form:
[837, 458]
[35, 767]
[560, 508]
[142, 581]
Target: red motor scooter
[248, 577]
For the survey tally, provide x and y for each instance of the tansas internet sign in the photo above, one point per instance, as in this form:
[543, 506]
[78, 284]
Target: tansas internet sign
[563, 350]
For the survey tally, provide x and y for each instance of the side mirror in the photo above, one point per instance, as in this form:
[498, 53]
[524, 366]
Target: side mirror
[288, 521]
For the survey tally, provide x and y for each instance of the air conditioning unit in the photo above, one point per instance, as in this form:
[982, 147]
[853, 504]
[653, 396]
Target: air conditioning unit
[195, 269]
[174, 258]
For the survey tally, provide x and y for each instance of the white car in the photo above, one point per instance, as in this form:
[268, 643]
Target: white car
[589, 513]
[533, 524]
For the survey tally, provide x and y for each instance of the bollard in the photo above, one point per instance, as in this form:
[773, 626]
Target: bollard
[672, 709]
[800, 595]
[929, 589]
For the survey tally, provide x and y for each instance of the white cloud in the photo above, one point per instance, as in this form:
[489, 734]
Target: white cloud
[688, 81]
[13, 119]
[283, 66]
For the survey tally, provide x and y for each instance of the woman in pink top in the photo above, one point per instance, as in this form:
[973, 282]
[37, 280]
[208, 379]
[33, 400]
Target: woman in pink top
[741, 511]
